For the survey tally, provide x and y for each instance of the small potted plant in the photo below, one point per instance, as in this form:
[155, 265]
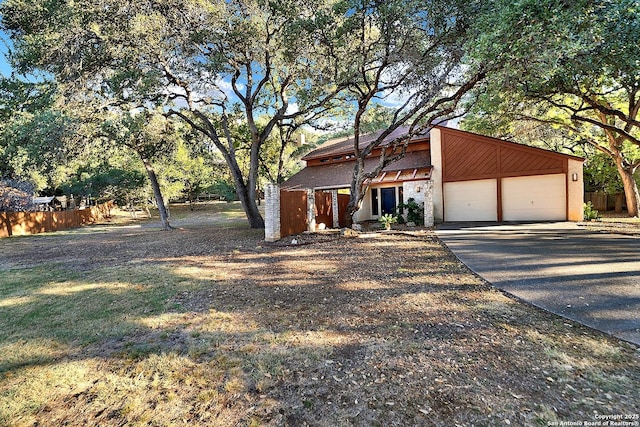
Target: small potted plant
[387, 220]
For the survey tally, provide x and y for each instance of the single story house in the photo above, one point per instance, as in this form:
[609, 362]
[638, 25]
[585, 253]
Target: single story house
[463, 177]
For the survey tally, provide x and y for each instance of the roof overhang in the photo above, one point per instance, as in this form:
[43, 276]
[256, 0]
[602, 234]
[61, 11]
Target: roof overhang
[413, 166]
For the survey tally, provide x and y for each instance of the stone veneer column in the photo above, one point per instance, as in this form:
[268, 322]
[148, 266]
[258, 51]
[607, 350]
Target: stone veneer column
[272, 213]
[428, 204]
[311, 210]
[334, 208]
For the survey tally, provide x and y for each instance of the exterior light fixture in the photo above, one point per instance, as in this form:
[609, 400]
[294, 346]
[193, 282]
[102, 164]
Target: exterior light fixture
[574, 177]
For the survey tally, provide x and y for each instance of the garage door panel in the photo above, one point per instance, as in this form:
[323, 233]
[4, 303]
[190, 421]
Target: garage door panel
[535, 198]
[471, 200]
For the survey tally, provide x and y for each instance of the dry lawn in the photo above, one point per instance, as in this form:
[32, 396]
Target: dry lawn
[209, 326]
[610, 222]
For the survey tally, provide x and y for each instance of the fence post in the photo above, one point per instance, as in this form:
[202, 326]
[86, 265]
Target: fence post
[272, 213]
[428, 204]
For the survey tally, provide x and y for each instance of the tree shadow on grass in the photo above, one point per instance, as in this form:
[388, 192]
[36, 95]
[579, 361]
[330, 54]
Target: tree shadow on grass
[349, 332]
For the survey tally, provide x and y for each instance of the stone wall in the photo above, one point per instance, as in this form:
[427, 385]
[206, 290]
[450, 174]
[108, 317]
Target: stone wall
[429, 218]
[421, 192]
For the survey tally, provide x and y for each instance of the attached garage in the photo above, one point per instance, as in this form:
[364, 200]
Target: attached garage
[487, 179]
[471, 200]
[534, 198]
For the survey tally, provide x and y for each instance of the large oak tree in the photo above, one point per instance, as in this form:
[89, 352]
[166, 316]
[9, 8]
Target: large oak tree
[201, 61]
[571, 65]
[409, 56]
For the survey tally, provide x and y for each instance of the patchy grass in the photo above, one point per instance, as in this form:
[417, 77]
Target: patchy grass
[209, 326]
[611, 222]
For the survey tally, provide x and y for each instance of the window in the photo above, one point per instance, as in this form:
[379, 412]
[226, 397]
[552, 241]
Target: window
[374, 202]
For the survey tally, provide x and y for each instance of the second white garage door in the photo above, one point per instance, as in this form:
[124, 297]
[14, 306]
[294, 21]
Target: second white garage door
[541, 197]
[471, 200]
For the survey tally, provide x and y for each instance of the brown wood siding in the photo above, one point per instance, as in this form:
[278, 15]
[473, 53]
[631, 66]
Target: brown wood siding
[468, 156]
[293, 212]
[422, 145]
[513, 160]
[324, 208]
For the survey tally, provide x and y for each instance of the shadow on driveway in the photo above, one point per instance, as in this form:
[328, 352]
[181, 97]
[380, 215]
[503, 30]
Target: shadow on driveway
[592, 278]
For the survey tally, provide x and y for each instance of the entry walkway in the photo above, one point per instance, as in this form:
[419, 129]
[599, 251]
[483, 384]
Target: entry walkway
[592, 278]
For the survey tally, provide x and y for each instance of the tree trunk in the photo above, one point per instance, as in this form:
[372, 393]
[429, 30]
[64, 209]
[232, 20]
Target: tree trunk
[164, 215]
[630, 189]
[253, 214]
[357, 192]
[244, 195]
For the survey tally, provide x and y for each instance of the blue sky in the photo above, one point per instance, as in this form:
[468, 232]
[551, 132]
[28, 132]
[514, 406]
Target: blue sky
[5, 69]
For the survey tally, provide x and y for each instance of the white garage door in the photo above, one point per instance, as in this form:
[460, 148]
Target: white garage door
[541, 197]
[471, 200]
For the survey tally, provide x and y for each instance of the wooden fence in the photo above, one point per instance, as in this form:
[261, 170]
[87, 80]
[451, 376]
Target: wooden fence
[24, 223]
[324, 208]
[293, 212]
[604, 202]
[598, 200]
[343, 201]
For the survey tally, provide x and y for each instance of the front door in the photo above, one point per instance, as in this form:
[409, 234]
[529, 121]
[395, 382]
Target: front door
[388, 200]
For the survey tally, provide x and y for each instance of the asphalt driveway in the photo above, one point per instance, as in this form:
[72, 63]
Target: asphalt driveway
[592, 278]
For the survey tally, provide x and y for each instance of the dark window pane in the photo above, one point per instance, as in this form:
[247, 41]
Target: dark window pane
[374, 201]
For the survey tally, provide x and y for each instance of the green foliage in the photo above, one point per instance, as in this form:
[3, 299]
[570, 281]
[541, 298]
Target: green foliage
[600, 173]
[33, 135]
[414, 212]
[18, 96]
[224, 190]
[387, 220]
[239, 71]
[33, 147]
[148, 133]
[590, 213]
[185, 172]
[115, 184]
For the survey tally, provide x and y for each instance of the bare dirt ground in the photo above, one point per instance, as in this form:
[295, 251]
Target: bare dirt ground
[385, 329]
